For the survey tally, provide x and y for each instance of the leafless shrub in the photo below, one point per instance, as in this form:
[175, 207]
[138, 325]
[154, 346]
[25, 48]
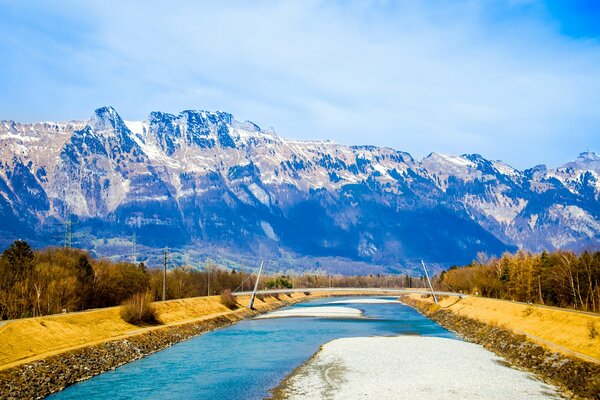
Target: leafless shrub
[593, 331]
[527, 312]
[228, 299]
[139, 309]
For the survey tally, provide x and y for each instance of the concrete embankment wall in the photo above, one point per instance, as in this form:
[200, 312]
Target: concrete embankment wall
[580, 378]
[45, 369]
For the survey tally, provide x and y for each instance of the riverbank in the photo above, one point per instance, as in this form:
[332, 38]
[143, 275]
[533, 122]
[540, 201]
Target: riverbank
[29, 339]
[408, 367]
[43, 355]
[505, 329]
[559, 329]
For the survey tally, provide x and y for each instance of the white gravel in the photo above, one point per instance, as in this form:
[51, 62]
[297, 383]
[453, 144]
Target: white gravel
[365, 301]
[409, 367]
[323, 312]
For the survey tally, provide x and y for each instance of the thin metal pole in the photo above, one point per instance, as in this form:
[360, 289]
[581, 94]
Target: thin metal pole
[251, 304]
[133, 251]
[164, 296]
[208, 272]
[428, 281]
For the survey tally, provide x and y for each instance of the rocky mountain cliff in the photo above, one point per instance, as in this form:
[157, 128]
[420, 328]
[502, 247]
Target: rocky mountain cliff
[203, 184]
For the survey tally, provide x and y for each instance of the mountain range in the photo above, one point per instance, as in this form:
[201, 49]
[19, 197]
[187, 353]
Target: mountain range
[206, 185]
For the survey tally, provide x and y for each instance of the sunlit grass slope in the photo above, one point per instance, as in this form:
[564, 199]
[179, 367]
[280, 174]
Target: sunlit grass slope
[562, 328]
[33, 338]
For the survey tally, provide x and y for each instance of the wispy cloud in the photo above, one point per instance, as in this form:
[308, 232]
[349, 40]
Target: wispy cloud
[501, 78]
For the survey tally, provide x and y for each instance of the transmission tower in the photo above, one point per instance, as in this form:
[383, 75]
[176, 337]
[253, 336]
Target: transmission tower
[68, 232]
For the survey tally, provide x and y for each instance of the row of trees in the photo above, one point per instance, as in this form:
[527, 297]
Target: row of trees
[560, 278]
[62, 279]
[56, 280]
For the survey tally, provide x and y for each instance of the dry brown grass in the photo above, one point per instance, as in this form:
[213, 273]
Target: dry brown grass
[228, 300]
[561, 327]
[139, 310]
[31, 336]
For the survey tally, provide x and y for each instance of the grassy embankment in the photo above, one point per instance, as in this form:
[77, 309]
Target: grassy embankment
[29, 339]
[557, 329]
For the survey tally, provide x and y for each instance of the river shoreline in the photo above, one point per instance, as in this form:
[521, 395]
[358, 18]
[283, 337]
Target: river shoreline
[40, 378]
[408, 367]
[576, 377]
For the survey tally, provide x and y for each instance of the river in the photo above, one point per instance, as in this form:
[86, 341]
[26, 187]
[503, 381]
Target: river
[246, 360]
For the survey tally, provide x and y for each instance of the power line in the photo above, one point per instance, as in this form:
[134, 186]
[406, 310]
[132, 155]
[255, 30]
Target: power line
[241, 285]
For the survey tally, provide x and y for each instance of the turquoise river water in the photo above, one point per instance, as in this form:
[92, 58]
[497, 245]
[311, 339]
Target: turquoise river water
[246, 360]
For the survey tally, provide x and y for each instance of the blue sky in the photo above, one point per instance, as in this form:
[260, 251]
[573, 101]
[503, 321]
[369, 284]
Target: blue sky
[516, 80]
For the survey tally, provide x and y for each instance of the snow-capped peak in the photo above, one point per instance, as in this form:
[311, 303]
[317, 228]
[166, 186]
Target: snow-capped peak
[106, 119]
[458, 161]
[588, 155]
[588, 160]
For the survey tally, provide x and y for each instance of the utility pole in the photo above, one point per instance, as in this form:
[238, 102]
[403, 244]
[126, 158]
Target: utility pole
[251, 304]
[208, 273]
[164, 296]
[133, 251]
[435, 300]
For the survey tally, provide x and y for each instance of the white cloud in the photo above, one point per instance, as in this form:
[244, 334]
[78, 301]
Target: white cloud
[495, 78]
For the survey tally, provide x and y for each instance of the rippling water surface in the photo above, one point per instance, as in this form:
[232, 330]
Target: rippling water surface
[247, 359]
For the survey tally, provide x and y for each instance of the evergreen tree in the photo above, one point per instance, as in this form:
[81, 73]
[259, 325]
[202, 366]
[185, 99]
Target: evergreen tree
[18, 259]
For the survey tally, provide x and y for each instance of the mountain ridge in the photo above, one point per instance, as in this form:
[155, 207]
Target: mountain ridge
[202, 179]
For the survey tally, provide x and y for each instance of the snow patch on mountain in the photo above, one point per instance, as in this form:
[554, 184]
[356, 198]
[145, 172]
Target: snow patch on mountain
[506, 169]
[574, 219]
[268, 230]
[500, 207]
[442, 167]
[533, 220]
[137, 127]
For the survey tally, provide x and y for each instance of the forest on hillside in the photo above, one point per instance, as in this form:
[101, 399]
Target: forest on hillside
[560, 278]
[63, 279]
